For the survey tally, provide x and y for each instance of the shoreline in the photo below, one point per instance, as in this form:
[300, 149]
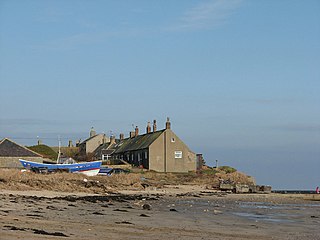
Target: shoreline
[183, 212]
[167, 190]
[156, 215]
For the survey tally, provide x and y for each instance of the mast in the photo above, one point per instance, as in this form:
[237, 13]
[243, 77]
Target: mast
[59, 151]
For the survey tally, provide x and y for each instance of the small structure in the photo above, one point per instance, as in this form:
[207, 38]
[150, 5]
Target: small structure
[11, 152]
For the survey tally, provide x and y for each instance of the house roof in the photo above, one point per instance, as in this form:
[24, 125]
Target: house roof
[88, 139]
[106, 148]
[9, 148]
[137, 143]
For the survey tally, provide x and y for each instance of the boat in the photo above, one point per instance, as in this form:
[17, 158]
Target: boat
[87, 168]
[105, 171]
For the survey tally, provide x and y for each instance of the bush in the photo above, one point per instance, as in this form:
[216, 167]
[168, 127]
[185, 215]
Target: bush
[45, 151]
[228, 169]
[209, 171]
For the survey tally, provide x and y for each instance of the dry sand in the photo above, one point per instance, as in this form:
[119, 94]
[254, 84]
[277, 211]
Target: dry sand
[171, 212]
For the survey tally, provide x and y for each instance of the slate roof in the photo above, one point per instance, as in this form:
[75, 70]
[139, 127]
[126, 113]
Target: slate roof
[88, 139]
[137, 143]
[8, 148]
[106, 148]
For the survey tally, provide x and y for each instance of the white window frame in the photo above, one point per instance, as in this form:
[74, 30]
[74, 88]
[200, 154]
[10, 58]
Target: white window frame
[178, 154]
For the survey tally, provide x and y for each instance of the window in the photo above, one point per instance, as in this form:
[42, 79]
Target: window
[173, 140]
[177, 154]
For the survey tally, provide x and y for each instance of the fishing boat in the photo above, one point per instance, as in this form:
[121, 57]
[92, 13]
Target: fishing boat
[87, 168]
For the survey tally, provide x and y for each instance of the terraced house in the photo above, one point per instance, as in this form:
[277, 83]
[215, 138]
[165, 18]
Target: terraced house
[158, 150]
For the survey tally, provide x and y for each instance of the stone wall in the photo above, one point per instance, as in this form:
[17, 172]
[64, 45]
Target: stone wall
[170, 154]
[13, 162]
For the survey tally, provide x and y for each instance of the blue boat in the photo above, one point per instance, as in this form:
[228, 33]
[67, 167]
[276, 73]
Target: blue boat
[87, 168]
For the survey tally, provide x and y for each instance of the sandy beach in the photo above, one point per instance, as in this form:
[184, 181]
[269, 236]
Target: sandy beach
[173, 212]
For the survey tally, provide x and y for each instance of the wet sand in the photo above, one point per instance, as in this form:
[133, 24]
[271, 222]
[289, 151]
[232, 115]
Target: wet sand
[170, 213]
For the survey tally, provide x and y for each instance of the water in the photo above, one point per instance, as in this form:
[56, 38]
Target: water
[254, 211]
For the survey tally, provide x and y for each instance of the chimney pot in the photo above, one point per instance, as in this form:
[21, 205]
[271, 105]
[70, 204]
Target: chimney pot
[136, 131]
[168, 124]
[112, 139]
[121, 136]
[131, 134]
[154, 125]
[148, 128]
[92, 132]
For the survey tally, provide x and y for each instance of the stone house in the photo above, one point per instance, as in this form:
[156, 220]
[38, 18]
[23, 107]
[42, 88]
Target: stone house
[11, 152]
[92, 143]
[158, 150]
[105, 151]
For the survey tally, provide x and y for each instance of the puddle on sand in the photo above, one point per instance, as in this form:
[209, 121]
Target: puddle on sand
[270, 212]
[263, 217]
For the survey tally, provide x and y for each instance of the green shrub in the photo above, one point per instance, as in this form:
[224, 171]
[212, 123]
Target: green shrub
[228, 169]
[209, 171]
[45, 151]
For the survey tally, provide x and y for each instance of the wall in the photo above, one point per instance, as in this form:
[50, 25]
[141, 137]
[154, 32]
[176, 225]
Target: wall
[156, 155]
[95, 142]
[162, 154]
[13, 162]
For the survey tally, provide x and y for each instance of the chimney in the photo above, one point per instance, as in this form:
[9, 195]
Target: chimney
[136, 131]
[131, 134]
[92, 132]
[70, 143]
[121, 136]
[112, 139]
[154, 125]
[39, 142]
[148, 128]
[168, 124]
[104, 139]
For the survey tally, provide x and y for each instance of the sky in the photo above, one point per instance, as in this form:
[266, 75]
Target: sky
[239, 79]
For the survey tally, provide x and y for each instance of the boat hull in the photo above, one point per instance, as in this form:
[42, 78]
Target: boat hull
[87, 168]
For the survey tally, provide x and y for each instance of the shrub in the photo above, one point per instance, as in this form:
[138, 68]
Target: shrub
[209, 171]
[228, 169]
[45, 151]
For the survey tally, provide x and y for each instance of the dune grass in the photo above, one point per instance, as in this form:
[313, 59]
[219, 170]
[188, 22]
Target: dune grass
[14, 179]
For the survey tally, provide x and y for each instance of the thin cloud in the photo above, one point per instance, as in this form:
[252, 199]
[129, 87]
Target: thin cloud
[25, 122]
[299, 128]
[80, 39]
[207, 15]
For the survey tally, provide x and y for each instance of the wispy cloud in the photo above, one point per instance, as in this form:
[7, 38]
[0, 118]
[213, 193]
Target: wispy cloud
[299, 128]
[207, 15]
[269, 101]
[24, 122]
[85, 38]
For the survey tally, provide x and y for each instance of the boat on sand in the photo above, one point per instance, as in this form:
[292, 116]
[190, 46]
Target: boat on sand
[87, 168]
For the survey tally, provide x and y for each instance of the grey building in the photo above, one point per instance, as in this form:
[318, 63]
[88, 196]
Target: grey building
[11, 152]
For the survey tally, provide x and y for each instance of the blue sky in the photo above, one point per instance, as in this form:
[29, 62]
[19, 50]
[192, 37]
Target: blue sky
[240, 79]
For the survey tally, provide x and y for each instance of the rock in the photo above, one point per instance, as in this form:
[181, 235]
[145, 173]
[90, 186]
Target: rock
[144, 215]
[146, 206]
[217, 212]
